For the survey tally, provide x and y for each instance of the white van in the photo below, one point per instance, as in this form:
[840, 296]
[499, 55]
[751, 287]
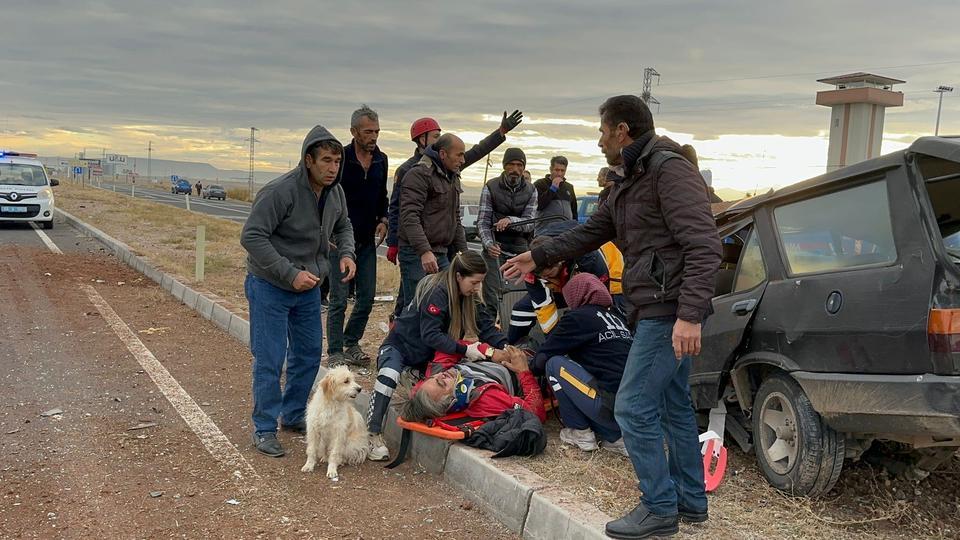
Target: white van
[26, 193]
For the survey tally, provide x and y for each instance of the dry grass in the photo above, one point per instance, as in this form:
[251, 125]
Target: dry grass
[866, 503]
[239, 194]
[167, 236]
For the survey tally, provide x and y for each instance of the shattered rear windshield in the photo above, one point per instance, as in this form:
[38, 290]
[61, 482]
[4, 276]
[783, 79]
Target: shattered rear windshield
[942, 179]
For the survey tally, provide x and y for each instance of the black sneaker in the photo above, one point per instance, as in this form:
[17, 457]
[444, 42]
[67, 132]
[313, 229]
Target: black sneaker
[690, 516]
[296, 427]
[361, 358]
[640, 523]
[267, 444]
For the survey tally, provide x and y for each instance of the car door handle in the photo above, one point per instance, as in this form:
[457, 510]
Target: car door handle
[743, 307]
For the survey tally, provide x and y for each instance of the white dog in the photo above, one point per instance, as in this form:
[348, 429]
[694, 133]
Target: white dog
[336, 432]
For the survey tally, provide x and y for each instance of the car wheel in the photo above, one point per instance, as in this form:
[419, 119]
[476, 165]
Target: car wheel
[48, 224]
[797, 451]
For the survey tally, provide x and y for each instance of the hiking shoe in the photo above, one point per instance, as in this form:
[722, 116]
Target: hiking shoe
[691, 516]
[378, 450]
[267, 444]
[362, 358]
[640, 523]
[338, 359]
[616, 447]
[296, 427]
[583, 439]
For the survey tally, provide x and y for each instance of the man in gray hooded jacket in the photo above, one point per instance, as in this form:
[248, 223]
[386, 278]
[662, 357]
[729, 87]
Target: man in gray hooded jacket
[287, 237]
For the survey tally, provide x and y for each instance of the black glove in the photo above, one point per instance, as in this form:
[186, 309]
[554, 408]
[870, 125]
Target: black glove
[510, 122]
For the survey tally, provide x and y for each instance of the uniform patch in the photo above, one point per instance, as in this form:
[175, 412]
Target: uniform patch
[433, 309]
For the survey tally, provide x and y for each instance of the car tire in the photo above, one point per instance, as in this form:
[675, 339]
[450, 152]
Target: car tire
[797, 451]
[48, 224]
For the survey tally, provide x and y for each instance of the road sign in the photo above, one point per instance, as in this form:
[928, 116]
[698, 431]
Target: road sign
[96, 170]
[78, 170]
[118, 159]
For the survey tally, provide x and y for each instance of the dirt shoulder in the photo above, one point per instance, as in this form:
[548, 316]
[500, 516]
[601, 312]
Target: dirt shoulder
[119, 462]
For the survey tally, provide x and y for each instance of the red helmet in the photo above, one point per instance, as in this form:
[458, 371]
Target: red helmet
[421, 126]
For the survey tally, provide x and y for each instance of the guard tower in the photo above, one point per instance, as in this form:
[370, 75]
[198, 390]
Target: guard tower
[857, 106]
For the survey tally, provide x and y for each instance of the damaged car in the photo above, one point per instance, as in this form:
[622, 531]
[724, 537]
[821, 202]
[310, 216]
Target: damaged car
[836, 320]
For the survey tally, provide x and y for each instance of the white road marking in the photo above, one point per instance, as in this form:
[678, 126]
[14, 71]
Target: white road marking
[210, 435]
[46, 239]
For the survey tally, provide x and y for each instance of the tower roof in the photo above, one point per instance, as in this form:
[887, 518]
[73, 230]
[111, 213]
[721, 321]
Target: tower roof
[860, 76]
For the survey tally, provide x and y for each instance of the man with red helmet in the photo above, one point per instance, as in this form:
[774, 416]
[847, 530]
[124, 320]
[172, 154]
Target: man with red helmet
[424, 132]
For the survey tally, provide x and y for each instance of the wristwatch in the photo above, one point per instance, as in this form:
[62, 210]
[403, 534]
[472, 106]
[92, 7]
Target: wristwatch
[489, 353]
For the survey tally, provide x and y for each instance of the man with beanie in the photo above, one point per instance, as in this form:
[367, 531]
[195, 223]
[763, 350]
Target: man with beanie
[673, 253]
[583, 360]
[504, 200]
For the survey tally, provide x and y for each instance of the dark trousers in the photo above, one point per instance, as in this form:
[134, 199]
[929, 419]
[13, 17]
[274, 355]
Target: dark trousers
[339, 338]
[581, 402]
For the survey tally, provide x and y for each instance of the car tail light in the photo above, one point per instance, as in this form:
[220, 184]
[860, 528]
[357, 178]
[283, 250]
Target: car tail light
[943, 336]
[944, 322]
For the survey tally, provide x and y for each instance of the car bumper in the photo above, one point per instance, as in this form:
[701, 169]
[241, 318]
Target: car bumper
[905, 405]
[37, 210]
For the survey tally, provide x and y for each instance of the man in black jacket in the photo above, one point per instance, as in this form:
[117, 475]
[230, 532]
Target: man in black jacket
[555, 196]
[364, 182]
[672, 254]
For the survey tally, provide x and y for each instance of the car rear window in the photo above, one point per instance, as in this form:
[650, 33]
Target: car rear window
[942, 179]
[837, 231]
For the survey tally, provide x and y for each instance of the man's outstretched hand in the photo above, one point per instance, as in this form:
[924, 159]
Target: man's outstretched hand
[510, 122]
[518, 266]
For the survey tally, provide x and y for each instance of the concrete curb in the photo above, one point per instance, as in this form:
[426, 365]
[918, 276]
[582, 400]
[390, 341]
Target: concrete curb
[525, 502]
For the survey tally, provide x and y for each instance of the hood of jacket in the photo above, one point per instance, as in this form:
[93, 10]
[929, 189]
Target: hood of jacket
[315, 135]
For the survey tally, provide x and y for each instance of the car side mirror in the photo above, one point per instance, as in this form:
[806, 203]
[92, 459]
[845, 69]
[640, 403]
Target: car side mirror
[54, 182]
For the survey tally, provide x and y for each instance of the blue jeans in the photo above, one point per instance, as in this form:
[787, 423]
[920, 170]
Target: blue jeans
[277, 318]
[653, 402]
[411, 272]
[339, 338]
[581, 401]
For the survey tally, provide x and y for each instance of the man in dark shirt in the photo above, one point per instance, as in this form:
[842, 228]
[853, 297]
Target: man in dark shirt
[364, 182]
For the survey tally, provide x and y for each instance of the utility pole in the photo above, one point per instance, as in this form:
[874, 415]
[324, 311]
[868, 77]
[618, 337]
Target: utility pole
[648, 75]
[253, 141]
[940, 90]
[149, 157]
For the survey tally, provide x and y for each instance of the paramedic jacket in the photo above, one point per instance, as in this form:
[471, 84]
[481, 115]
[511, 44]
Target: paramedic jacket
[421, 331]
[595, 337]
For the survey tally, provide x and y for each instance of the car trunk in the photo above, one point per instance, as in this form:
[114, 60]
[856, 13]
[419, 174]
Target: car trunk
[941, 182]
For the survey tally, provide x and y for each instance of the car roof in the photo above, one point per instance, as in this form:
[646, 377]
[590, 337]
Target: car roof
[20, 160]
[942, 147]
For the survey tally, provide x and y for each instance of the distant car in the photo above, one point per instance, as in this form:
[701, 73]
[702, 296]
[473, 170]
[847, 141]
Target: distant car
[836, 317]
[214, 192]
[180, 186]
[25, 189]
[588, 205]
[469, 214]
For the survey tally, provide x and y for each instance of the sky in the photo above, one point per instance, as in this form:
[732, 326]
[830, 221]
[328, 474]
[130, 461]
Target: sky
[738, 78]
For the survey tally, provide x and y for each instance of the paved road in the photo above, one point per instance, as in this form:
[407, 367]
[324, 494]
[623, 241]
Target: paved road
[233, 210]
[123, 414]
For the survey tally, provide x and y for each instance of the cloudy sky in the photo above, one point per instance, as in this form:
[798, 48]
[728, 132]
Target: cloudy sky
[738, 78]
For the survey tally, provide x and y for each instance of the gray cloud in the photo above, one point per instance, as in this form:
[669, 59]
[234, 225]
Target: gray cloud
[287, 65]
